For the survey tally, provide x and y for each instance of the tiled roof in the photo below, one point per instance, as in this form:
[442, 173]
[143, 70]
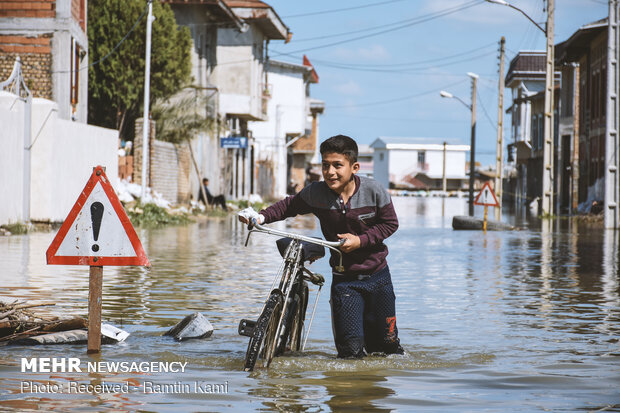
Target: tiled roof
[246, 3]
[526, 65]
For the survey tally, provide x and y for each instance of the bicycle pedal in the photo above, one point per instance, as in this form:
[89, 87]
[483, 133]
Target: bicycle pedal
[246, 327]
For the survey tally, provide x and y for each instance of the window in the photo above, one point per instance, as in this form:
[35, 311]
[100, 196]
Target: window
[421, 159]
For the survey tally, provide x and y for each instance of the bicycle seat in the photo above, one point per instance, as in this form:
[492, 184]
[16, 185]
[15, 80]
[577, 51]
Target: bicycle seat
[309, 251]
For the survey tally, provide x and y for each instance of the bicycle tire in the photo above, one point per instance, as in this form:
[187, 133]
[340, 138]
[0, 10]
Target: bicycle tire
[298, 322]
[262, 331]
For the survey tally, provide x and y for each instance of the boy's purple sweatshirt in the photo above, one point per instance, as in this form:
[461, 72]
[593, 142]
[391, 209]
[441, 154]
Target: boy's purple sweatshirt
[369, 214]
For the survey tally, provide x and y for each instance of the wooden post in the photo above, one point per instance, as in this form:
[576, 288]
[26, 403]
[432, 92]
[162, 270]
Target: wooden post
[94, 309]
[484, 223]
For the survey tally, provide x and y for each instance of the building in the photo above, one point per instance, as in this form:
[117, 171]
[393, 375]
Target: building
[419, 163]
[525, 78]
[581, 140]
[204, 18]
[365, 158]
[50, 39]
[286, 141]
[230, 46]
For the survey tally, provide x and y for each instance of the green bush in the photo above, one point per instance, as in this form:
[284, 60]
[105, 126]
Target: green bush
[151, 215]
[17, 228]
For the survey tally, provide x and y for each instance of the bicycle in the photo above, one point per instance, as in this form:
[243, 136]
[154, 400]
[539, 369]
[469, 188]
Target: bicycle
[280, 325]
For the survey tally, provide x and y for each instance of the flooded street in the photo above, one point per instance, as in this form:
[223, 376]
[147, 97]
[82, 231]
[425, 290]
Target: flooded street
[524, 320]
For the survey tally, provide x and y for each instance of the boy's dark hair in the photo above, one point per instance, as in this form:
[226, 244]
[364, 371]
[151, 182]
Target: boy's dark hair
[340, 144]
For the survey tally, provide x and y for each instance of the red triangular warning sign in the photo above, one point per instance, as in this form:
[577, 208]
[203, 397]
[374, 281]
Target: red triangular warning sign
[97, 231]
[486, 196]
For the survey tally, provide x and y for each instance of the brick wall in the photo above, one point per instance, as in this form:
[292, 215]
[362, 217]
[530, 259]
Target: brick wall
[169, 173]
[36, 58]
[78, 11]
[28, 8]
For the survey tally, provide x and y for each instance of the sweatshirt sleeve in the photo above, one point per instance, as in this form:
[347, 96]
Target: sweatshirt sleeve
[286, 208]
[386, 224]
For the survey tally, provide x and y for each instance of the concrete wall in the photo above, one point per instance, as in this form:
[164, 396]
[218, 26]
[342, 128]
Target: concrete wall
[398, 163]
[404, 162]
[11, 158]
[286, 114]
[381, 166]
[239, 72]
[63, 154]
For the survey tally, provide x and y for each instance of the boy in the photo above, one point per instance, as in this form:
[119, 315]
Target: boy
[211, 200]
[360, 211]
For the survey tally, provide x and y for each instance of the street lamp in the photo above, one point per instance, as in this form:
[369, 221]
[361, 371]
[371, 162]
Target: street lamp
[472, 149]
[547, 181]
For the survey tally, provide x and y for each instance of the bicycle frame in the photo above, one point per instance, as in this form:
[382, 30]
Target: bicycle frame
[332, 245]
[292, 276]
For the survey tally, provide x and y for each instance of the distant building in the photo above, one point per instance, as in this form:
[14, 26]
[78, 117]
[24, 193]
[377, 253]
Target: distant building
[418, 163]
[229, 55]
[581, 142]
[365, 159]
[286, 140]
[50, 39]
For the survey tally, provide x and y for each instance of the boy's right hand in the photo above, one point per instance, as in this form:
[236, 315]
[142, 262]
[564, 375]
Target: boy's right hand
[250, 216]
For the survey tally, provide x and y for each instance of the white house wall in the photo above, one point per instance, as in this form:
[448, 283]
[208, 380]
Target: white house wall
[11, 158]
[286, 114]
[381, 165]
[63, 155]
[238, 72]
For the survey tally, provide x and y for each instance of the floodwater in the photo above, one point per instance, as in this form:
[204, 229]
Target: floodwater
[524, 320]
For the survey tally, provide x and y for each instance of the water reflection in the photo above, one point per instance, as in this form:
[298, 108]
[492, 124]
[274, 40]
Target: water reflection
[488, 320]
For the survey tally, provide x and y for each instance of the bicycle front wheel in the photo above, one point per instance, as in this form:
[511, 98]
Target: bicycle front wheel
[265, 333]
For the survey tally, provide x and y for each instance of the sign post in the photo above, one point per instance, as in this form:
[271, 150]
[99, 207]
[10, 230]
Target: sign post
[487, 198]
[97, 232]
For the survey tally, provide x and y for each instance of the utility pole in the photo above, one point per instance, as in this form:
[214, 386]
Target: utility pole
[499, 165]
[612, 157]
[472, 152]
[146, 125]
[548, 146]
[445, 182]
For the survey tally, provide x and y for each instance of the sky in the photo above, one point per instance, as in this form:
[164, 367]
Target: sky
[382, 63]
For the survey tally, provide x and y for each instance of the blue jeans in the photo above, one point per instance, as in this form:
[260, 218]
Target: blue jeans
[364, 314]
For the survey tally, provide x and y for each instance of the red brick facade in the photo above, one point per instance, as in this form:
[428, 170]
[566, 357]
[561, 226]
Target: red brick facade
[78, 11]
[36, 58]
[28, 8]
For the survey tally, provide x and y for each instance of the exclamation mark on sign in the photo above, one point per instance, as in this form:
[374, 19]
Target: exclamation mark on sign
[96, 214]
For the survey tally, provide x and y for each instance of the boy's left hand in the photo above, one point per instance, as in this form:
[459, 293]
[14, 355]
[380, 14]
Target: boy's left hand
[351, 243]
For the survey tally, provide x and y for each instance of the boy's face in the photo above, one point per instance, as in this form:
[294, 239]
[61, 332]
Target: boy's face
[338, 170]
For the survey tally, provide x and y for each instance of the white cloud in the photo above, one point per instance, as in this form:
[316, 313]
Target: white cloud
[488, 13]
[350, 88]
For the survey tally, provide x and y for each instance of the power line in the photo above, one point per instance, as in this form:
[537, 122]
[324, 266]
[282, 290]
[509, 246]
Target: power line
[366, 29]
[485, 112]
[382, 102]
[418, 20]
[413, 70]
[402, 119]
[361, 6]
[393, 65]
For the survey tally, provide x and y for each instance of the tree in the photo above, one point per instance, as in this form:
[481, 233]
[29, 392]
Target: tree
[116, 84]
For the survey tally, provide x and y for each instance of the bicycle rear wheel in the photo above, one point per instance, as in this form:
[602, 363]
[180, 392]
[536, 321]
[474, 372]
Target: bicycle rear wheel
[297, 323]
[265, 332]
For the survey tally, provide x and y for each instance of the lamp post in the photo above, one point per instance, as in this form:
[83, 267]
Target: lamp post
[548, 179]
[472, 149]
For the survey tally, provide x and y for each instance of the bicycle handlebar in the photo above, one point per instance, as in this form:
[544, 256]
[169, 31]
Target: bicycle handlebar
[332, 245]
